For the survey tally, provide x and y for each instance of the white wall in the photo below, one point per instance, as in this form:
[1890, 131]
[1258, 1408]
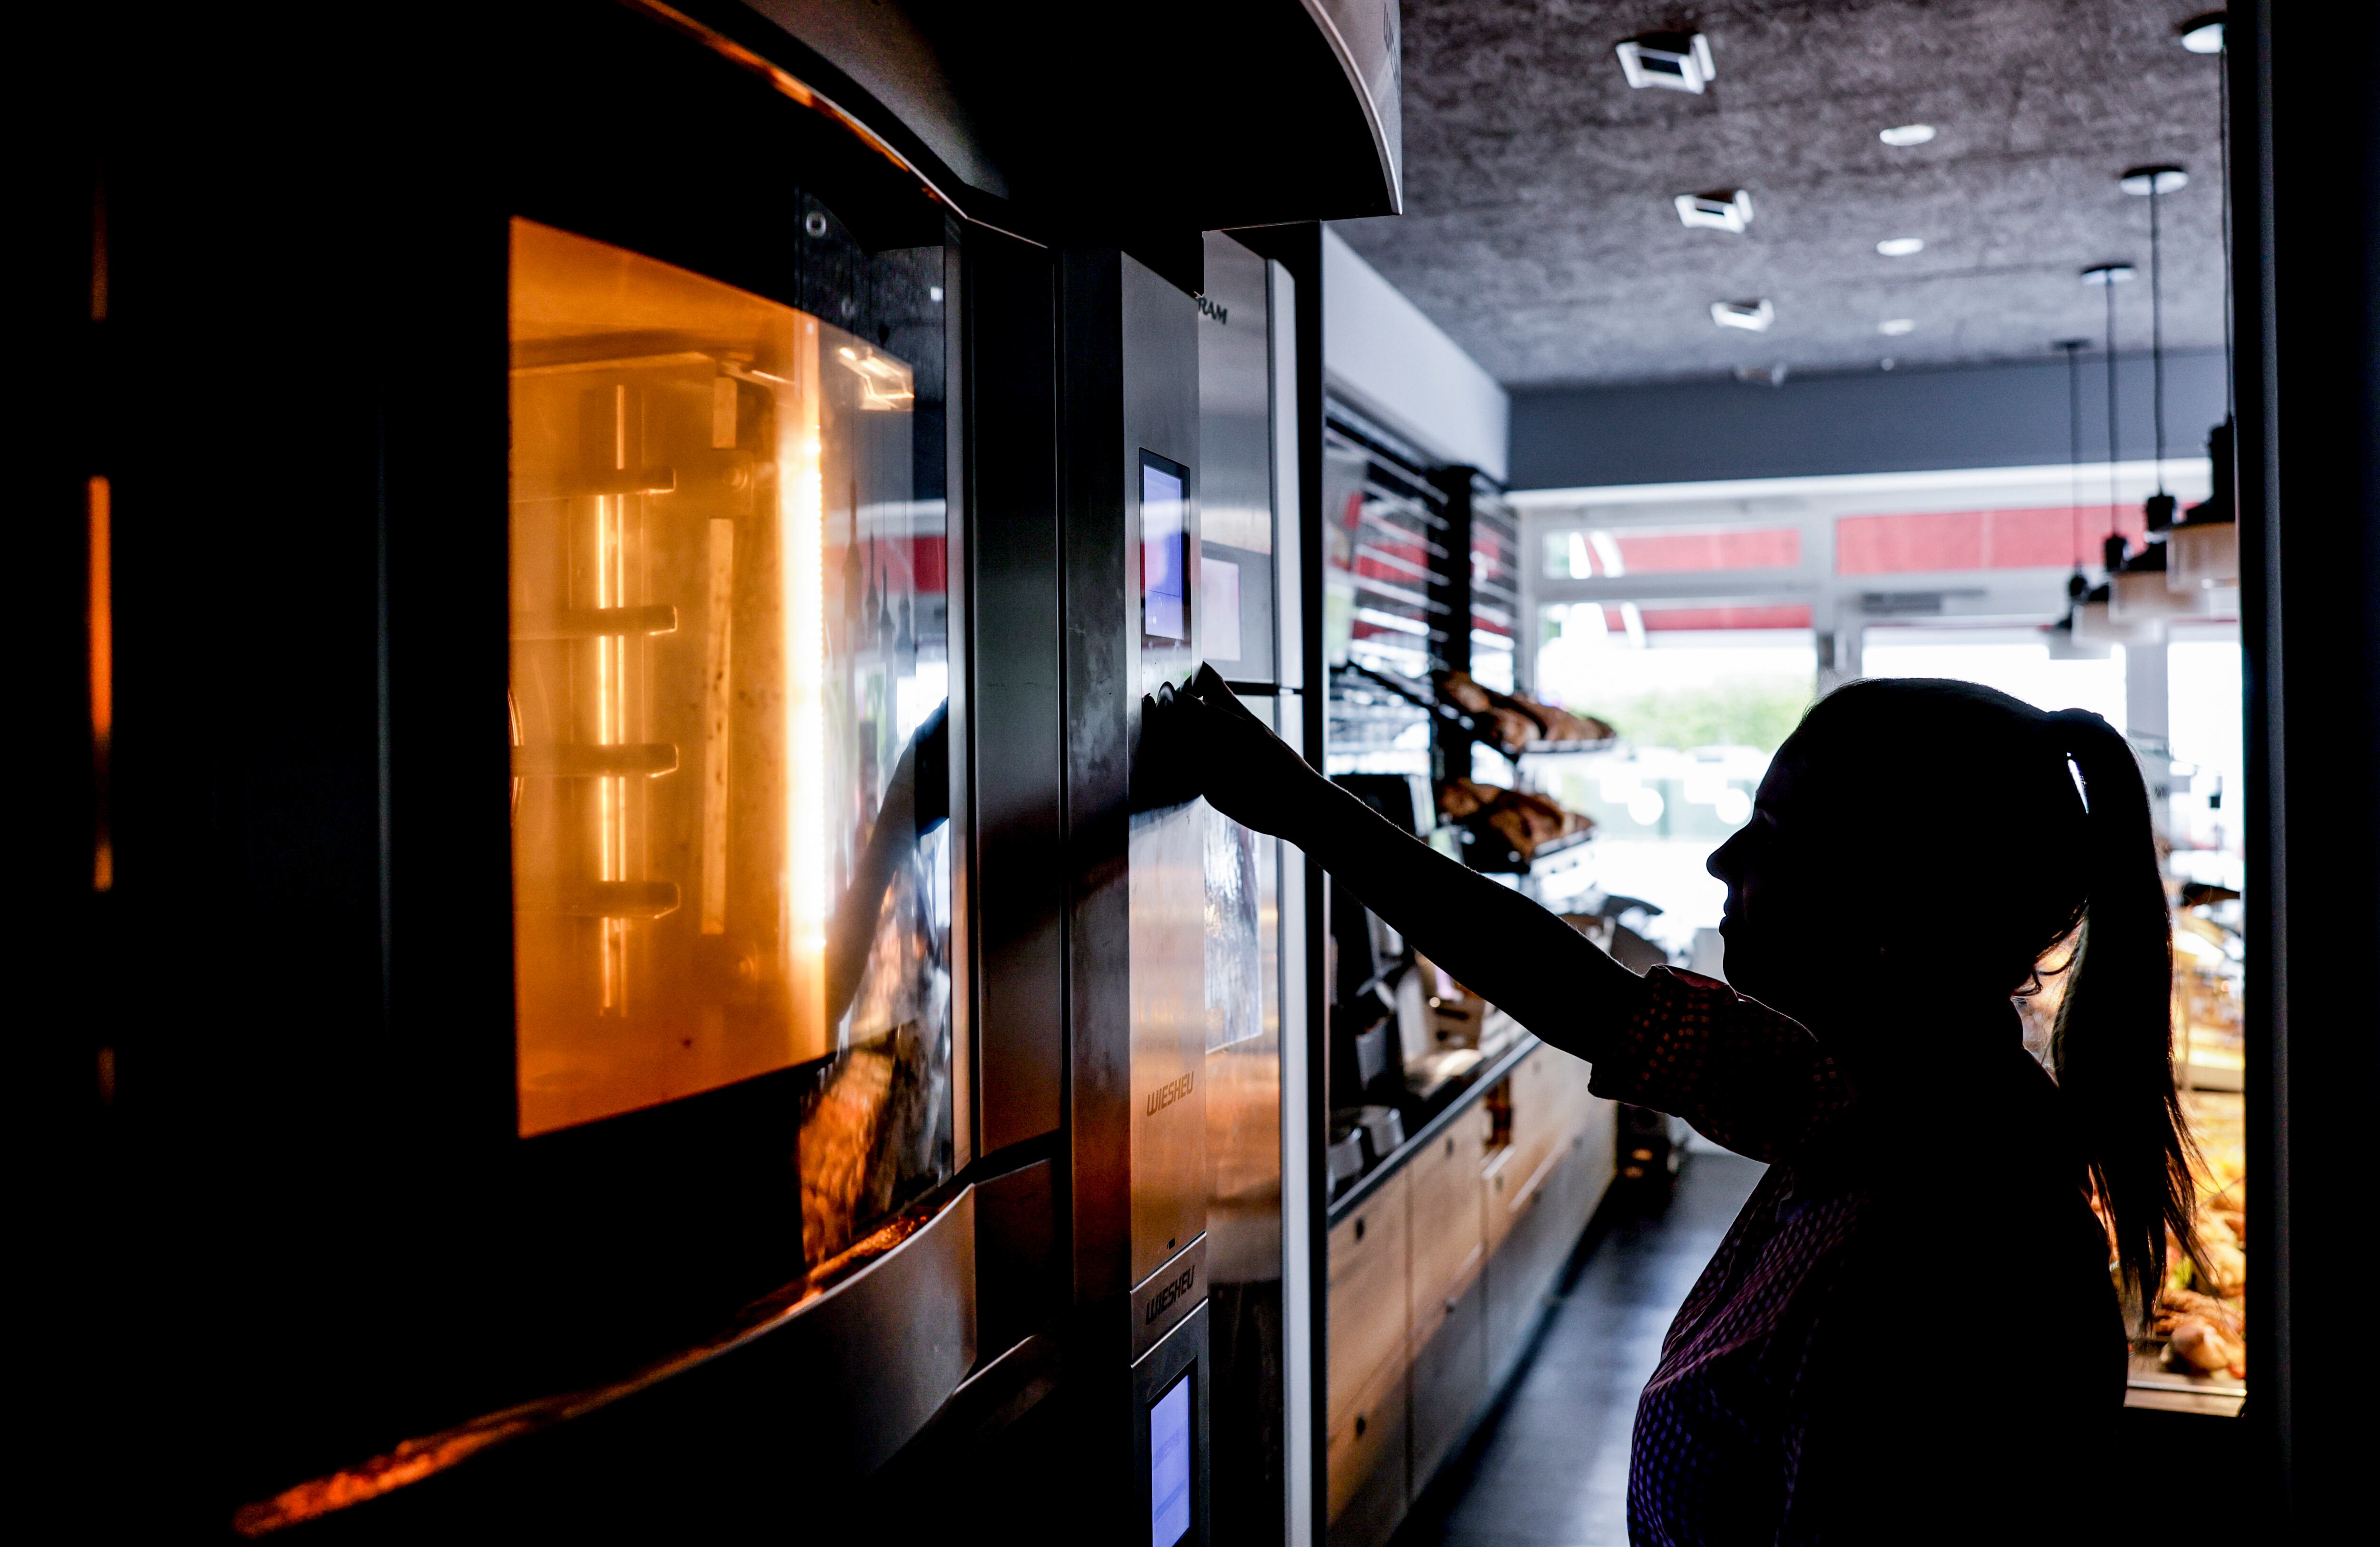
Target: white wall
[1387, 359]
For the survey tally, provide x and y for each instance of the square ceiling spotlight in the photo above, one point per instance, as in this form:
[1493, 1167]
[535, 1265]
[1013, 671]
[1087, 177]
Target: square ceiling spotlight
[1674, 61]
[1727, 209]
[1750, 316]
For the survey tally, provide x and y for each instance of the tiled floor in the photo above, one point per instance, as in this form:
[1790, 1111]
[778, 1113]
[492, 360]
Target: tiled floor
[1552, 1468]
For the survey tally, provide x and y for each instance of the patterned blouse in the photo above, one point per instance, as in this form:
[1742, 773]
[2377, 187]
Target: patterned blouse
[1909, 1335]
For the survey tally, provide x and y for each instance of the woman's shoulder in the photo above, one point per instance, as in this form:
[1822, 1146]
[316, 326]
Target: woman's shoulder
[1746, 1076]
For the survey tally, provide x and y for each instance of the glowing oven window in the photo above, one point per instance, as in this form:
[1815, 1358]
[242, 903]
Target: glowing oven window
[727, 699]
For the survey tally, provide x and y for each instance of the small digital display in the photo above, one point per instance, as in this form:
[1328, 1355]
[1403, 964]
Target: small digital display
[1164, 552]
[1169, 1465]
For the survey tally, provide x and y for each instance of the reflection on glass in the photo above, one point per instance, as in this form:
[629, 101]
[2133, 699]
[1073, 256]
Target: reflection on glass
[728, 673]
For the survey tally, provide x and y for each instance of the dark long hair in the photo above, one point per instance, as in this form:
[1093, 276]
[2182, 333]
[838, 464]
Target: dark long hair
[2069, 792]
[2112, 1050]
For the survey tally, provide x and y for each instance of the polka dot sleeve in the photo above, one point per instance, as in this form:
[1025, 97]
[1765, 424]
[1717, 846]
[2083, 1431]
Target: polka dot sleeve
[1744, 1076]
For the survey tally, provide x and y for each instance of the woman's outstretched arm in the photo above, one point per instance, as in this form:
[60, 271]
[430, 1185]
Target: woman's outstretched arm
[1496, 943]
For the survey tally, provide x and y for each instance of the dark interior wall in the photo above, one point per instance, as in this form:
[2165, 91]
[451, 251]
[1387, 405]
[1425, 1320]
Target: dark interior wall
[1909, 420]
[2306, 240]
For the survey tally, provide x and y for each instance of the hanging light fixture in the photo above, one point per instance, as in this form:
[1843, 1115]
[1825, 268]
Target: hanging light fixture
[2095, 621]
[2153, 183]
[2203, 547]
[2061, 637]
[2137, 588]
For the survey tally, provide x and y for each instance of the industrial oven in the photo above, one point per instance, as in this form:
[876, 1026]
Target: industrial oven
[634, 989]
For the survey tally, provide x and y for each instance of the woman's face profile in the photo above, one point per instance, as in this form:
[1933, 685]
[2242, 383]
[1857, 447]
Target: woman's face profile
[1791, 883]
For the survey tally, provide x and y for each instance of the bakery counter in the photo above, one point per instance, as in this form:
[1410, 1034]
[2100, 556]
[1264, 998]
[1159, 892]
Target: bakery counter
[1424, 1113]
[1441, 1253]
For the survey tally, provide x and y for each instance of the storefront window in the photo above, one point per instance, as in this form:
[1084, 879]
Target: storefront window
[1701, 696]
[2178, 700]
[1612, 552]
[2015, 660]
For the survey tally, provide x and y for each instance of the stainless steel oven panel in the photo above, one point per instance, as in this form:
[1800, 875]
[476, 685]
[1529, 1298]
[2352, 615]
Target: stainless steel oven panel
[1169, 1033]
[1166, 858]
[1235, 516]
[835, 1384]
[1165, 1299]
[869, 1362]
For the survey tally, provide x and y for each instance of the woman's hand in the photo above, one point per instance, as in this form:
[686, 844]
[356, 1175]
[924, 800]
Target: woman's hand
[1202, 740]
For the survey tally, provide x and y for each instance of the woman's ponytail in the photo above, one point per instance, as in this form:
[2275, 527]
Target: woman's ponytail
[2112, 1050]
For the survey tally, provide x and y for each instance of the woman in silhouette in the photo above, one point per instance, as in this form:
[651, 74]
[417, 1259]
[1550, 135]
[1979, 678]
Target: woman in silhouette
[1911, 1334]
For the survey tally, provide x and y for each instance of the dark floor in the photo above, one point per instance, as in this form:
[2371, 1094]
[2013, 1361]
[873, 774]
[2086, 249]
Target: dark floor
[1551, 1469]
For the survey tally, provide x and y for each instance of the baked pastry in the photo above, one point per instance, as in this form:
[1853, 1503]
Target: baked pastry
[1513, 720]
[1514, 821]
[1459, 799]
[2200, 1345]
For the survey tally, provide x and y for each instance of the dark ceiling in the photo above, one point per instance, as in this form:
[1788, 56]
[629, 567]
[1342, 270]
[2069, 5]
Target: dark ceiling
[1539, 229]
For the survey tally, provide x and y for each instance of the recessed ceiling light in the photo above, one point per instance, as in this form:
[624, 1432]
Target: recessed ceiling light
[1900, 247]
[1675, 61]
[1727, 209]
[2204, 34]
[1893, 327]
[1752, 316]
[2145, 181]
[1902, 136]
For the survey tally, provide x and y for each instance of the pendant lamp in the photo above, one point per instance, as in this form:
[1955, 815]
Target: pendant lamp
[2065, 642]
[2202, 550]
[2138, 589]
[2205, 544]
[2096, 618]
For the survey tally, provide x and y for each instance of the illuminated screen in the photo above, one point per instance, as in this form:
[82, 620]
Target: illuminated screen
[1164, 552]
[1169, 1467]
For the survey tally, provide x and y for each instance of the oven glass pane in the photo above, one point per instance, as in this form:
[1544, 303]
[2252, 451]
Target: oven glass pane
[728, 692]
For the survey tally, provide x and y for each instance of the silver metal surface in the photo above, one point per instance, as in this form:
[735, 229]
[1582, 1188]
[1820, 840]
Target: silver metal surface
[1242, 1063]
[876, 1355]
[1235, 464]
[1166, 858]
[1169, 1033]
[1165, 1298]
[1234, 398]
[1289, 568]
[842, 1379]
[1296, 1176]
[1367, 39]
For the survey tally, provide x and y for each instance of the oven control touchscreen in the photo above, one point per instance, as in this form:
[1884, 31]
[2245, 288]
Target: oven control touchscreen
[1169, 1465]
[1164, 554]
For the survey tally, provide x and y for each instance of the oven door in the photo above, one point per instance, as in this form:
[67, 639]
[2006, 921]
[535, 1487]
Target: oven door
[720, 1225]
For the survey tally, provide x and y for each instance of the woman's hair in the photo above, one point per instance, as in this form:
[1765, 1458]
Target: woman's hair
[2079, 857]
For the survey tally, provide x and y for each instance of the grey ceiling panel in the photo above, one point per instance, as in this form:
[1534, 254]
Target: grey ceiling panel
[1541, 232]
